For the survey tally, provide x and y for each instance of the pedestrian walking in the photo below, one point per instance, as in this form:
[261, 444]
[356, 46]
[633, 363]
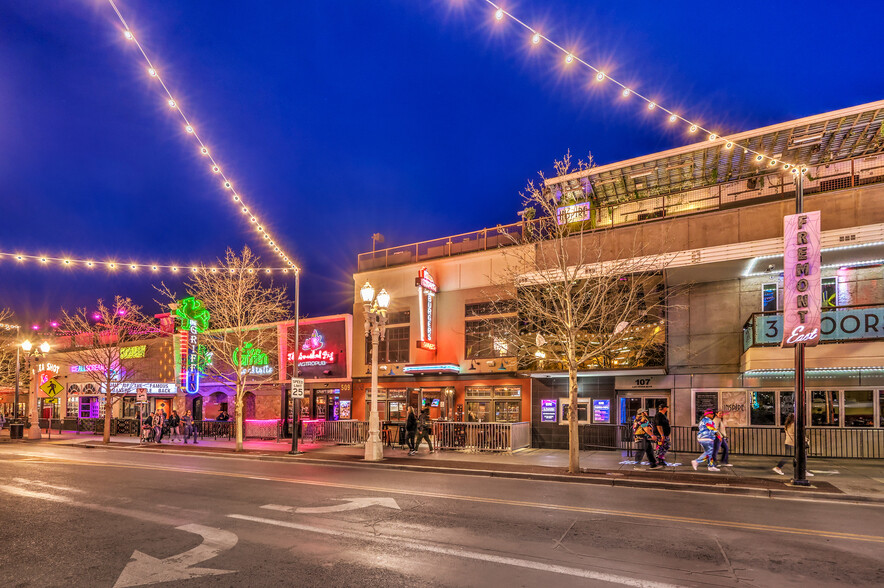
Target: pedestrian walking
[411, 430]
[147, 428]
[159, 421]
[706, 436]
[643, 433]
[721, 441]
[661, 424]
[189, 428]
[174, 426]
[424, 428]
[789, 426]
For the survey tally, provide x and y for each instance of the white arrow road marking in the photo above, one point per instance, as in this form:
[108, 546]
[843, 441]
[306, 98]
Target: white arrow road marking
[348, 504]
[145, 569]
[463, 553]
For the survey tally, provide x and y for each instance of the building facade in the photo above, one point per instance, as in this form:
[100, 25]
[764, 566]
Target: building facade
[715, 218]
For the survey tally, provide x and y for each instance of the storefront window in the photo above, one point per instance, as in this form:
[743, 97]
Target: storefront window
[859, 408]
[763, 408]
[824, 409]
[769, 298]
[130, 408]
[73, 406]
[881, 408]
[582, 411]
[787, 406]
[830, 293]
[393, 349]
[704, 401]
[507, 411]
[478, 411]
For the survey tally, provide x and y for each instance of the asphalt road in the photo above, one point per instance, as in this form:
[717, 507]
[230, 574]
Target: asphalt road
[95, 517]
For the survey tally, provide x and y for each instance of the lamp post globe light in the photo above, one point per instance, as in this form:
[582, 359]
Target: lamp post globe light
[375, 326]
[33, 411]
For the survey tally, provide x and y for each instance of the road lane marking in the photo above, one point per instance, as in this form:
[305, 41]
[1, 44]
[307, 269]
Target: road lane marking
[45, 485]
[500, 501]
[143, 569]
[349, 504]
[465, 554]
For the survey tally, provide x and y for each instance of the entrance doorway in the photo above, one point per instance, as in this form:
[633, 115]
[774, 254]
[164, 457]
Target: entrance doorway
[632, 401]
[198, 408]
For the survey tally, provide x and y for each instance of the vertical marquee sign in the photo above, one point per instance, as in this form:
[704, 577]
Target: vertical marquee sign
[802, 286]
[426, 295]
[194, 319]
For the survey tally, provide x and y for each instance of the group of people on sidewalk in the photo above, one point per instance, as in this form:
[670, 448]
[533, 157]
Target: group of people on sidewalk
[652, 437]
[156, 425]
[712, 436]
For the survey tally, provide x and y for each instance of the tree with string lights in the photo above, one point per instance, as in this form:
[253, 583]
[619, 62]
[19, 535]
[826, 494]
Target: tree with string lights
[241, 308]
[582, 301]
[99, 339]
[8, 334]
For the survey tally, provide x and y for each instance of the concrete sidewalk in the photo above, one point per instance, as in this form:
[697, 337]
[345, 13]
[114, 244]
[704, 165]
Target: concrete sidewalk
[836, 478]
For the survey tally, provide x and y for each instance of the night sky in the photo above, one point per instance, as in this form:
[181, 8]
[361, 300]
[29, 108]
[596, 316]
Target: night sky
[340, 118]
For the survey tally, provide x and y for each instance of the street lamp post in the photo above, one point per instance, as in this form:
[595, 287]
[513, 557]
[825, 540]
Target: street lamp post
[375, 325]
[33, 411]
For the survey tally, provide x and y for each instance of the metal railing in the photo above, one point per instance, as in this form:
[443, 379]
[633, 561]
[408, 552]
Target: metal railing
[481, 436]
[341, 432]
[215, 429]
[756, 190]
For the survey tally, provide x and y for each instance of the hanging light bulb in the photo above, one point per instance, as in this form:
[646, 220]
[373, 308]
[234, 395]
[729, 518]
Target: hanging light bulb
[600, 76]
[652, 105]
[189, 129]
[759, 158]
[786, 166]
[67, 262]
[772, 162]
[133, 267]
[204, 151]
[626, 92]
[227, 185]
[174, 269]
[129, 36]
[569, 58]
[43, 259]
[216, 169]
[152, 72]
[499, 14]
[728, 145]
[89, 264]
[112, 265]
[673, 118]
[235, 198]
[712, 136]
[535, 39]
[693, 128]
[19, 257]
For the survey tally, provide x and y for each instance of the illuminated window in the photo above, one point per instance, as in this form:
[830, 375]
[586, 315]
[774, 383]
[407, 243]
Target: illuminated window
[487, 338]
[830, 293]
[393, 349]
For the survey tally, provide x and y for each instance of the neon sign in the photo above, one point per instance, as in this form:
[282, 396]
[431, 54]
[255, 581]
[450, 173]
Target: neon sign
[426, 294]
[134, 352]
[313, 353]
[194, 319]
[248, 355]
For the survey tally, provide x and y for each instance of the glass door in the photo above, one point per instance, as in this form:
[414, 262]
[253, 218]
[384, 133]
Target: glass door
[650, 401]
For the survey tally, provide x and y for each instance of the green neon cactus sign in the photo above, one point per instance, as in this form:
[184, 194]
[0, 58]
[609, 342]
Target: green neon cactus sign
[191, 309]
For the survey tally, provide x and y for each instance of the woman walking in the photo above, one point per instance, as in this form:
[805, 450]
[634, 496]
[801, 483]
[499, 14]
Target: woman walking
[721, 441]
[189, 429]
[411, 430]
[789, 426]
[174, 426]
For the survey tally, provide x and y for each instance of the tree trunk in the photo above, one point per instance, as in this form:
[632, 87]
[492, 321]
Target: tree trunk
[108, 415]
[239, 421]
[573, 411]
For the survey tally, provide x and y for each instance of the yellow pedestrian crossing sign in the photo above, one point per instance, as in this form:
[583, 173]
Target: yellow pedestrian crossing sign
[51, 387]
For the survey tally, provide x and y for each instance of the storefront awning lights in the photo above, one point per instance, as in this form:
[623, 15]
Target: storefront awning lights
[432, 368]
[783, 373]
[750, 267]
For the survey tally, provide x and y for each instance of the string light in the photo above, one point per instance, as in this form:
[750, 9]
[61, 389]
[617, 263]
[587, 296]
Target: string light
[601, 76]
[71, 262]
[127, 32]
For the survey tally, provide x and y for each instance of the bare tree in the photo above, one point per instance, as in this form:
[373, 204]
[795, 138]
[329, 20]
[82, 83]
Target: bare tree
[583, 301]
[240, 308]
[99, 341]
[8, 336]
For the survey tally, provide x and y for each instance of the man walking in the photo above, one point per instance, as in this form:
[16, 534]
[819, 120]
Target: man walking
[159, 419]
[661, 425]
[424, 428]
[411, 430]
[721, 441]
[643, 432]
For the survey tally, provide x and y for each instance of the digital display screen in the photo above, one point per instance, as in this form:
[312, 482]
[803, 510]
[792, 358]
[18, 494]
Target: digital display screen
[548, 410]
[435, 402]
[601, 411]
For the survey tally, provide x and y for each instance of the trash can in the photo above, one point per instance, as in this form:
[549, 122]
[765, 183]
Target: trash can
[16, 430]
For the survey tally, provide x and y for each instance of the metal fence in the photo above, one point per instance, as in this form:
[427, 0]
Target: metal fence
[340, 432]
[481, 436]
[215, 429]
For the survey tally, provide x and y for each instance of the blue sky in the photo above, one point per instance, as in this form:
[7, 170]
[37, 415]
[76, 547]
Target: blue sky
[341, 118]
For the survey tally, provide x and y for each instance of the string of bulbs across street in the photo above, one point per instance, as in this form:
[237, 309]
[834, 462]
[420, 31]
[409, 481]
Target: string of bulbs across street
[237, 198]
[112, 265]
[627, 92]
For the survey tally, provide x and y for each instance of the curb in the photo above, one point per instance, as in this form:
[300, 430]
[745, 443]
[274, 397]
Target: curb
[591, 479]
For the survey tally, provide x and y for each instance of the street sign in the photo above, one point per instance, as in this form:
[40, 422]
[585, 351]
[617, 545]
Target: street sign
[297, 387]
[141, 395]
[51, 388]
[50, 401]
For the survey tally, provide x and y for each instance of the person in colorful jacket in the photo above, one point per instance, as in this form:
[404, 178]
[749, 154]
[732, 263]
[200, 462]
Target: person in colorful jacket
[643, 432]
[707, 435]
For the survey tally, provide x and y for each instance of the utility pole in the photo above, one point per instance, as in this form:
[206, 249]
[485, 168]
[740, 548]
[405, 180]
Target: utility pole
[296, 402]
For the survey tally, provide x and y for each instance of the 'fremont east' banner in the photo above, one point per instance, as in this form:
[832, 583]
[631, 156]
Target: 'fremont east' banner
[802, 296]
